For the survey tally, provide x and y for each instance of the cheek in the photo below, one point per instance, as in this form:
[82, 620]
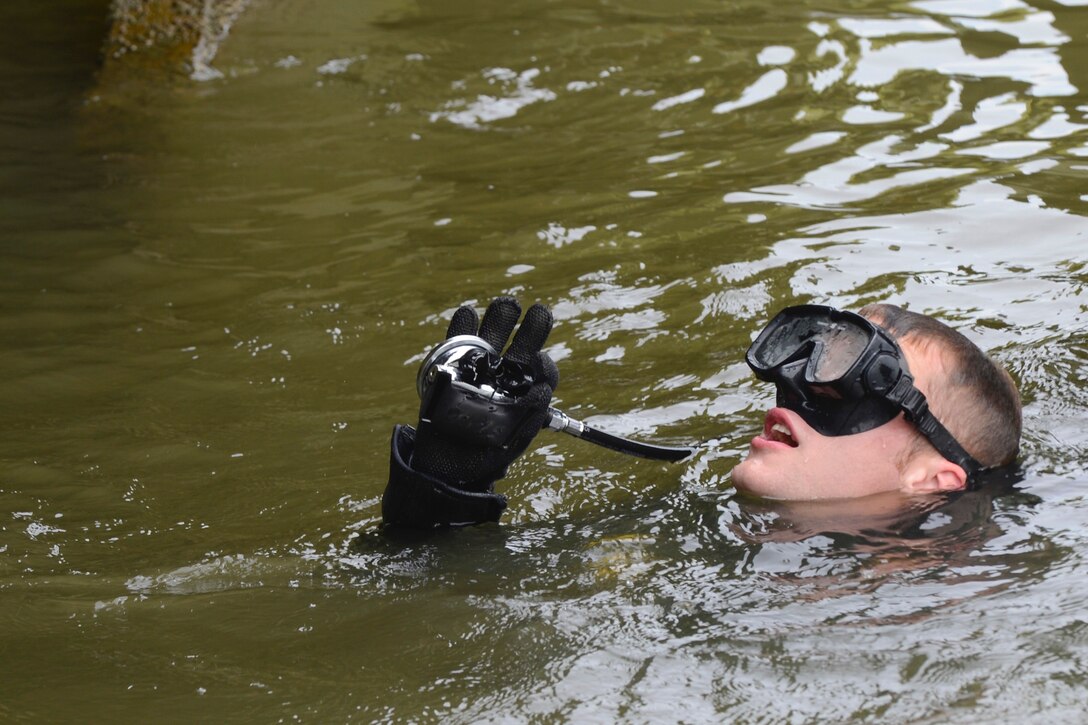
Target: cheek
[862, 455]
[870, 463]
[845, 466]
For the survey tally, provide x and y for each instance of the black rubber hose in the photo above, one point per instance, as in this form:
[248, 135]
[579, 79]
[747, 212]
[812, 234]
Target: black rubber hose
[635, 448]
[560, 421]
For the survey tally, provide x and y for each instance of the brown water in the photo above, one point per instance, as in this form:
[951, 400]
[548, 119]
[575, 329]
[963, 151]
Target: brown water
[216, 293]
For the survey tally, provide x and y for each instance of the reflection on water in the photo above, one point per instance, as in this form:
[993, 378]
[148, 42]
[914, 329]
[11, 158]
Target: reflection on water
[217, 295]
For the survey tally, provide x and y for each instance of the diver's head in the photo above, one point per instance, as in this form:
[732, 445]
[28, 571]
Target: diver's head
[905, 405]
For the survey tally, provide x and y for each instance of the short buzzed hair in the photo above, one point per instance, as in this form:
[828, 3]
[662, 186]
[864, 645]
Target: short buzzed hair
[977, 399]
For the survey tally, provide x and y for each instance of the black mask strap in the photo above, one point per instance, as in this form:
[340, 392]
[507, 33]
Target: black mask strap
[916, 408]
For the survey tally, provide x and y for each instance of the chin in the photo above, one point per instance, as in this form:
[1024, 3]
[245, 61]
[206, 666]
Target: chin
[746, 478]
[754, 477]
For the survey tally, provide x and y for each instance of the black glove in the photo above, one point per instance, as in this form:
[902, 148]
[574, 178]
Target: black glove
[443, 474]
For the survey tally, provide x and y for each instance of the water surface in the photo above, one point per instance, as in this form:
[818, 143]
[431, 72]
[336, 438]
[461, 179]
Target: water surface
[217, 291]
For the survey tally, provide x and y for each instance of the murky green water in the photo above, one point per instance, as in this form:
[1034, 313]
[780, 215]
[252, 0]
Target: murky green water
[215, 295]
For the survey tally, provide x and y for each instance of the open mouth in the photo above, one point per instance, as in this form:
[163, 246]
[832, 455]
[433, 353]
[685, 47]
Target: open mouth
[781, 433]
[777, 429]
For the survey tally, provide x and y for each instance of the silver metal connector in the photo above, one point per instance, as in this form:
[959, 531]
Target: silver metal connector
[560, 421]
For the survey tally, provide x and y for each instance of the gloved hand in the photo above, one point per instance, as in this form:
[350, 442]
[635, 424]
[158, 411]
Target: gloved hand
[443, 474]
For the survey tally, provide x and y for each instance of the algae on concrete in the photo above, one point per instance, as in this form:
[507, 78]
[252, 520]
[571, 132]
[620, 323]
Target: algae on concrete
[169, 37]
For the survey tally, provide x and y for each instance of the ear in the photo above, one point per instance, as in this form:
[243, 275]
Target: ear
[933, 474]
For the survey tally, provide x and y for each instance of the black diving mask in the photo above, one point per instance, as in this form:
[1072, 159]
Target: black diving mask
[843, 375]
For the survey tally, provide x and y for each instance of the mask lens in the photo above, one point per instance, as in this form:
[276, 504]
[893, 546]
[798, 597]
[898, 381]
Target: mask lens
[841, 346]
[784, 341]
[834, 346]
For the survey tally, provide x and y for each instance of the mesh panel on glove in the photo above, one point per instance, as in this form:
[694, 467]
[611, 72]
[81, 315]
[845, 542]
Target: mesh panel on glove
[476, 467]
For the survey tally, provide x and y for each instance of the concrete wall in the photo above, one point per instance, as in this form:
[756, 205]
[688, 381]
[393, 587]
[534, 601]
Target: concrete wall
[170, 36]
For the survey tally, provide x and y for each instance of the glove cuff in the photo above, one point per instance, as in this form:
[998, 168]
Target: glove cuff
[416, 500]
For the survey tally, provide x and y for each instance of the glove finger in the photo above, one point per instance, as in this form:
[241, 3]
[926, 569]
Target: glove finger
[464, 322]
[545, 370]
[499, 320]
[531, 335]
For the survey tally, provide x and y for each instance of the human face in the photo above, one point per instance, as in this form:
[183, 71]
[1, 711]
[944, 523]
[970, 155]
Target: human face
[789, 460]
